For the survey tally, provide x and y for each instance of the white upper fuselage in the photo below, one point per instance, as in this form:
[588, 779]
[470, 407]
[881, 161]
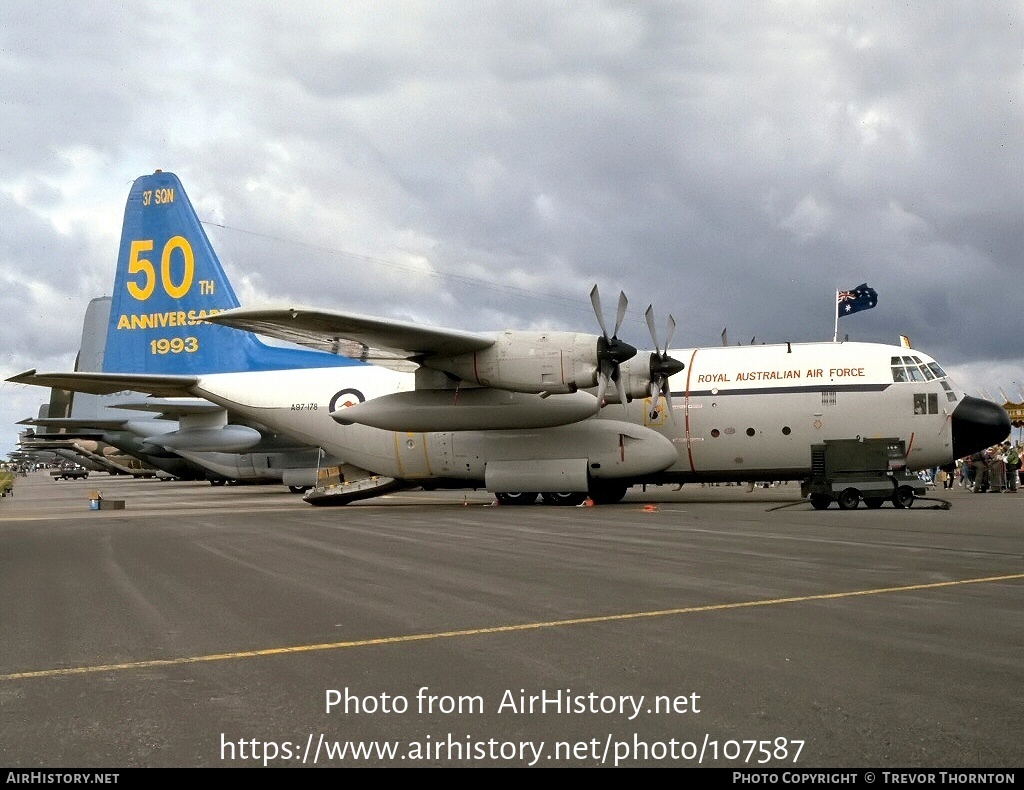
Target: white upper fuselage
[739, 412]
[743, 409]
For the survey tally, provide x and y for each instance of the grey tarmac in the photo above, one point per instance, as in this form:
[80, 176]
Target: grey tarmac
[207, 626]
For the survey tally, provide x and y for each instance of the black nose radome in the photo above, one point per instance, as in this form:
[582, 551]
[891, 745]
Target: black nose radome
[978, 424]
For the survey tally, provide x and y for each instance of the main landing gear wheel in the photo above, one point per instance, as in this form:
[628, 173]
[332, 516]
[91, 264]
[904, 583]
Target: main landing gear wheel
[849, 499]
[567, 499]
[608, 493]
[516, 497]
[904, 497]
[820, 501]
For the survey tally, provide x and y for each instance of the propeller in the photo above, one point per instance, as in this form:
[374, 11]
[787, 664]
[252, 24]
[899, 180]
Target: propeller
[611, 352]
[662, 365]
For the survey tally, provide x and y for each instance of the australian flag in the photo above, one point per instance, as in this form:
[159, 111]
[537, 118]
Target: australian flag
[860, 298]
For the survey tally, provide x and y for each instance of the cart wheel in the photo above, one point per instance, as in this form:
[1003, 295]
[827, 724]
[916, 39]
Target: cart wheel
[904, 497]
[849, 499]
[874, 502]
[820, 501]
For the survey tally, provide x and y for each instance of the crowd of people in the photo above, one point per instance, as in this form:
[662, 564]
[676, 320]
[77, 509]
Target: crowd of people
[995, 470]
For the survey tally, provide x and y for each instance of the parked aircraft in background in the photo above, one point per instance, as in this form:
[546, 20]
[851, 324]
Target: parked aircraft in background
[518, 412]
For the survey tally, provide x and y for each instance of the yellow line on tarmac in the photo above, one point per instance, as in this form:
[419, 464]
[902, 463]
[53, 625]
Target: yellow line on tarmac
[500, 629]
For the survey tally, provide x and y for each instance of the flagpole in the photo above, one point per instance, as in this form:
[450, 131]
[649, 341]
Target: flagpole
[835, 338]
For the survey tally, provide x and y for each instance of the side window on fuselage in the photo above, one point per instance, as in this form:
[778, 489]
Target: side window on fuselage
[926, 403]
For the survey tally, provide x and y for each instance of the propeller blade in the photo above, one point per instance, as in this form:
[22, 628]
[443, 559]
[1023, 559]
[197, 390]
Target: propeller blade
[602, 386]
[621, 389]
[655, 397]
[670, 330]
[595, 300]
[611, 352]
[623, 302]
[649, 315]
[662, 365]
[668, 404]
[606, 372]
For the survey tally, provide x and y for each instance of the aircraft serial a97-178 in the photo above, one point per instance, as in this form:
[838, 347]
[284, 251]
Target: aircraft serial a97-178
[563, 415]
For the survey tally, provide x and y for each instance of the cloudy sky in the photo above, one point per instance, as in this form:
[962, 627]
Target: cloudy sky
[481, 165]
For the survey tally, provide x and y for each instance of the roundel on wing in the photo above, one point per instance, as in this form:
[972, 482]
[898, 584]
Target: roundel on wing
[344, 399]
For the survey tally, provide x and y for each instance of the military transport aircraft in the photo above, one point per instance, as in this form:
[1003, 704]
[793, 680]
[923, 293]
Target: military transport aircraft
[560, 414]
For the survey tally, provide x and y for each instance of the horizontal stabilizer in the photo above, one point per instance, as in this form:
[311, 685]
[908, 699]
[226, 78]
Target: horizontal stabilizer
[166, 386]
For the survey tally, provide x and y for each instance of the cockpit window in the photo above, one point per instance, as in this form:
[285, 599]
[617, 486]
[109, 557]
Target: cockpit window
[915, 369]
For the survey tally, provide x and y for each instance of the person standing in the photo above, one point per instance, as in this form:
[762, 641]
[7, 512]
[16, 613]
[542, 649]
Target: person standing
[1011, 457]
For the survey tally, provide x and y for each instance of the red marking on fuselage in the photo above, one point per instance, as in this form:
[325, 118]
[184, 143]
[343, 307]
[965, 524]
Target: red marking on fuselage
[686, 409]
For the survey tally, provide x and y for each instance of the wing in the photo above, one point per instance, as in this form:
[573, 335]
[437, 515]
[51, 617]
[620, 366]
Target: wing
[107, 383]
[362, 337]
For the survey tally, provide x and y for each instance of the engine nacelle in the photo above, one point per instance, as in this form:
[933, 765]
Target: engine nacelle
[636, 379]
[536, 362]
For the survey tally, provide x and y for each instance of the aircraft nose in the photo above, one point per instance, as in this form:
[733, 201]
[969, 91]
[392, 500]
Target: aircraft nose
[978, 424]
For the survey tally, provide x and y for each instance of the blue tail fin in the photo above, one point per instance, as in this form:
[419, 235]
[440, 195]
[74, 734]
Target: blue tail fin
[168, 279]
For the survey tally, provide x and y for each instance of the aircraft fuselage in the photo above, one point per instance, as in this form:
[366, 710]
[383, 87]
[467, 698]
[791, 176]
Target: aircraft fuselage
[738, 413]
[753, 412]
